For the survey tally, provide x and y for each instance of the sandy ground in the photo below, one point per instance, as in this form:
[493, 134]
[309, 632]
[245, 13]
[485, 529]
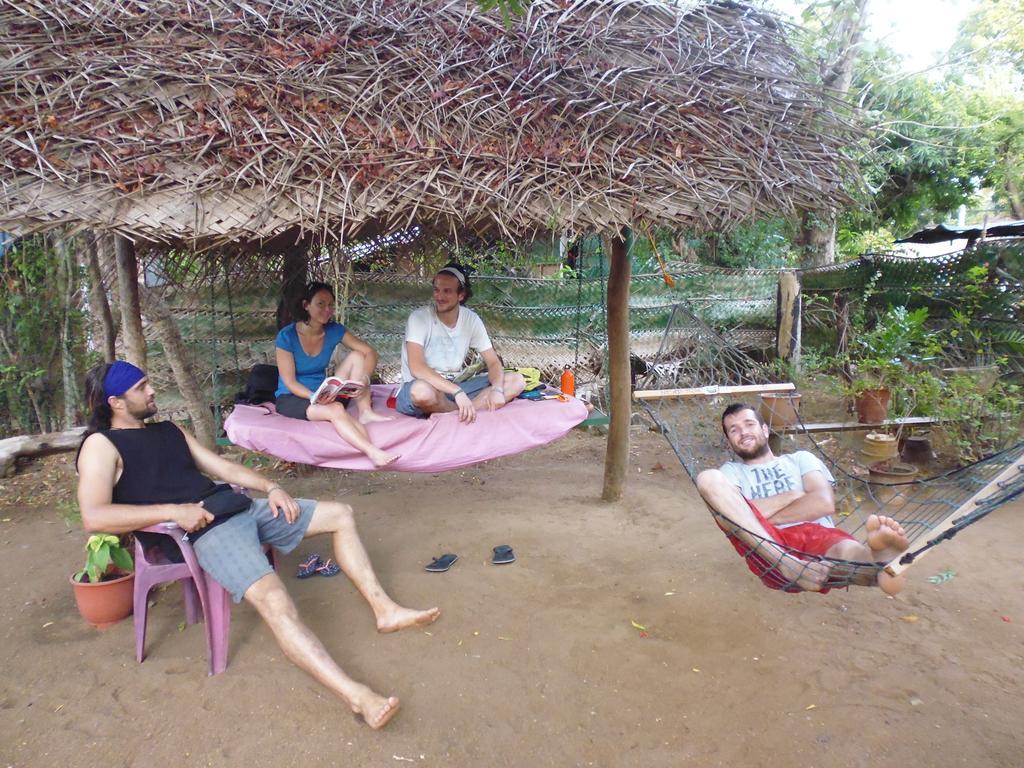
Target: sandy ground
[535, 663]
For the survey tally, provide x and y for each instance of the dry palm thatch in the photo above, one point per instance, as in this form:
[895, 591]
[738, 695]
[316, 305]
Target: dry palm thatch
[188, 121]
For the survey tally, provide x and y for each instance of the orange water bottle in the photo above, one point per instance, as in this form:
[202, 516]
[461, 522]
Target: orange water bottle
[568, 382]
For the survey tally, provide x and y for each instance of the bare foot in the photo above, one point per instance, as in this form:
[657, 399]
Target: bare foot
[370, 416]
[886, 538]
[891, 584]
[381, 458]
[376, 710]
[400, 618]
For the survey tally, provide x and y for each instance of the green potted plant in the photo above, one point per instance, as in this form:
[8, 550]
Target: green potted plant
[886, 357]
[104, 587]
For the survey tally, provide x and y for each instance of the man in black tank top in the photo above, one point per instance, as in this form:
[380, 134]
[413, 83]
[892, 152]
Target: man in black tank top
[133, 474]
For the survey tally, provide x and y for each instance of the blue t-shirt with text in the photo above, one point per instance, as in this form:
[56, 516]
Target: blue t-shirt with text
[310, 371]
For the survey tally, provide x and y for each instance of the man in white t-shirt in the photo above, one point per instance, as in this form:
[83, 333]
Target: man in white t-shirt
[788, 500]
[437, 339]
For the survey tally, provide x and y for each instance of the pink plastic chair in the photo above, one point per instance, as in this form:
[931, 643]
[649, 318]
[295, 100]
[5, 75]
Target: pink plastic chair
[204, 597]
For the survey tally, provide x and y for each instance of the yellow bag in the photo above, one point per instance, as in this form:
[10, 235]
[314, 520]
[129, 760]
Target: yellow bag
[531, 375]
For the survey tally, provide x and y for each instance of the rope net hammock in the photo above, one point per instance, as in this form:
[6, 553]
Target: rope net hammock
[698, 372]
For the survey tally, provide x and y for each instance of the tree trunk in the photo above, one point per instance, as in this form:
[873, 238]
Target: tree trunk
[817, 238]
[102, 321]
[108, 271]
[617, 453]
[68, 280]
[293, 282]
[177, 356]
[13, 448]
[1012, 190]
[131, 313]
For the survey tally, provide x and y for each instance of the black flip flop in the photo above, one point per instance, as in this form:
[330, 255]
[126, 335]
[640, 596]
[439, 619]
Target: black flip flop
[442, 563]
[503, 555]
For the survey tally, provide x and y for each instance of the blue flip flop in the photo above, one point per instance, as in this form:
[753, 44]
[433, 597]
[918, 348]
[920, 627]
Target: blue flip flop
[442, 563]
[308, 566]
[328, 568]
[503, 555]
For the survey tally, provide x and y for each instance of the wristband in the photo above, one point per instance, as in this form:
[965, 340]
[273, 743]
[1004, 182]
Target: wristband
[459, 391]
[500, 390]
[274, 487]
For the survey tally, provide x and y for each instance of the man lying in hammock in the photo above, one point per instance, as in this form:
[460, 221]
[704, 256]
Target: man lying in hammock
[786, 502]
[437, 339]
[132, 475]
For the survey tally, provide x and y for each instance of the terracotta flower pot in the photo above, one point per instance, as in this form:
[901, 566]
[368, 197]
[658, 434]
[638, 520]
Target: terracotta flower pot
[107, 602]
[872, 405]
[780, 410]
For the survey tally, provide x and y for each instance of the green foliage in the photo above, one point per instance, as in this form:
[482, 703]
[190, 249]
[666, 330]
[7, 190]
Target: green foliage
[979, 421]
[102, 551]
[31, 305]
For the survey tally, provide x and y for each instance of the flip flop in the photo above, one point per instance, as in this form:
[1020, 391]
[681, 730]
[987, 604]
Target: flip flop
[503, 555]
[442, 563]
[308, 566]
[328, 568]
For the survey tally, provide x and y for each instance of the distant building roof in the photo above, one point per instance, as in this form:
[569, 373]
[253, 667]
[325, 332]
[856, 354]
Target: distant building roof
[944, 234]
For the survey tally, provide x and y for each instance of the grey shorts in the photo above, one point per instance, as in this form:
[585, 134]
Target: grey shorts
[472, 387]
[232, 553]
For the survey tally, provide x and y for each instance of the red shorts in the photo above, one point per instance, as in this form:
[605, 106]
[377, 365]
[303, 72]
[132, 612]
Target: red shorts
[805, 538]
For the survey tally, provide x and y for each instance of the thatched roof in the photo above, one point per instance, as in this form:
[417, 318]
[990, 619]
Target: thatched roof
[220, 120]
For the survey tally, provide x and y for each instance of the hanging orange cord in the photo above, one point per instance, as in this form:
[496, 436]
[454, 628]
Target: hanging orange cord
[669, 280]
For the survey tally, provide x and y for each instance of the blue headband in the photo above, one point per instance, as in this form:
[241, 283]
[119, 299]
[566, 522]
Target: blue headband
[120, 378]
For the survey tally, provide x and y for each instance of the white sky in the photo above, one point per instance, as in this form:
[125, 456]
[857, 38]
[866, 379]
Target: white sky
[921, 30]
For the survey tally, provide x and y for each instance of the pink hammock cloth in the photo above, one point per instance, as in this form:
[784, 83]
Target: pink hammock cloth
[435, 444]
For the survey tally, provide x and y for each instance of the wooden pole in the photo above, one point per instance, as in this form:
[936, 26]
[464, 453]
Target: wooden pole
[617, 453]
[131, 313]
[787, 318]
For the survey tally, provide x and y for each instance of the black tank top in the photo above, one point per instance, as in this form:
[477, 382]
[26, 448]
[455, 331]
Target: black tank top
[158, 469]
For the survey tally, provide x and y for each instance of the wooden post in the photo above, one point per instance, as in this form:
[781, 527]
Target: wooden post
[787, 318]
[131, 313]
[617, 453]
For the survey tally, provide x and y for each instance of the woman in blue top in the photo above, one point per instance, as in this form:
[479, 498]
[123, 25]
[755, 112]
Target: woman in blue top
[304, 351]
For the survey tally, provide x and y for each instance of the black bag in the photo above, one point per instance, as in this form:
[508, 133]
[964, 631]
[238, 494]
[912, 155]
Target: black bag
[221, 501]
[260, 386]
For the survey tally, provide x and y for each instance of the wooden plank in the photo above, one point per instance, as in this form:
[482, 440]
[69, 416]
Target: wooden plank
[713, 391]
[895, 567]
[853, 426]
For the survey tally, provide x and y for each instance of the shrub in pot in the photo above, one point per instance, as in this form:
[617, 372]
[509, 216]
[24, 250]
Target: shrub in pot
[103, 588]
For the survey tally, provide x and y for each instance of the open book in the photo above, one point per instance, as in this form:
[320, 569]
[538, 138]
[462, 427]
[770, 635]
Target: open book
[333, 388]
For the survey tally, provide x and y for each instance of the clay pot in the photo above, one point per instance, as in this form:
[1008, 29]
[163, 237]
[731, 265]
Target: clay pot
[891, 472]
[879, 446]
[872, 405]
[107, 602]
[780, 410]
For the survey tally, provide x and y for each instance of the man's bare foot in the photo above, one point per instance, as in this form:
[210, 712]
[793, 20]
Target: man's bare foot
[370, 416]
[890, 584]
[382, 458]
[400, 618]
[886, 538]
[375, 709]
